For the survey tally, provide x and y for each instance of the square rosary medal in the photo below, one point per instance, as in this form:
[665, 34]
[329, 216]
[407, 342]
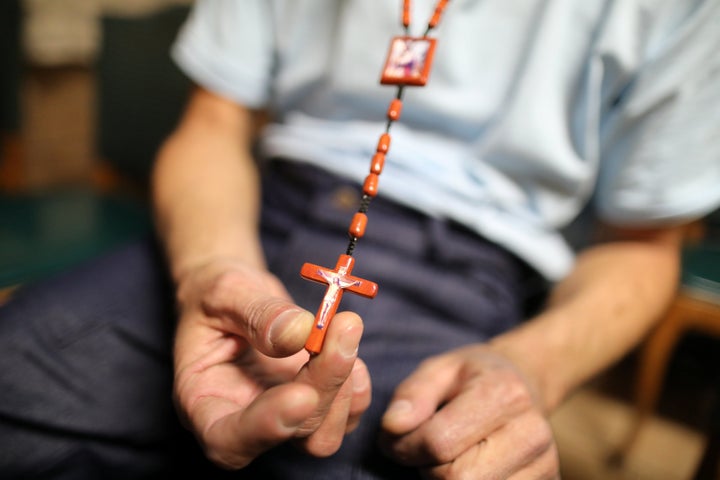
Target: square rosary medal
[409, 61]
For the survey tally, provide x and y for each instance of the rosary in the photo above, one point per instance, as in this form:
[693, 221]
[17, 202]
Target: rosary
[408, 64]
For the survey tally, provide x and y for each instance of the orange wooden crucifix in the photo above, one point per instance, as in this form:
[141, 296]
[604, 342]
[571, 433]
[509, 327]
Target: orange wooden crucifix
[337, 282]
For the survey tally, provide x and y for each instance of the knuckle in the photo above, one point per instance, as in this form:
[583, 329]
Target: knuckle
[549, 466]
[437, 362]
[222, 290]
[226, 459]
[434, 473]
[335, 377]
[332, 381]
[451, 471]
[359, 405]
[361, 382]
[538, 437]
[456, 473]
[308, 429]
[344, 395]
[184, 294]
[440, 445]
[339, 374]
[515, 393]
[428, 367]
[321, 446]
[226, 282]
[255, 312]
[352, 424]
[232, 293]
[357, 410]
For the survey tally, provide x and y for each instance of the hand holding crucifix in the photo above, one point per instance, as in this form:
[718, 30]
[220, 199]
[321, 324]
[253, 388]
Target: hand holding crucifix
[338, 281]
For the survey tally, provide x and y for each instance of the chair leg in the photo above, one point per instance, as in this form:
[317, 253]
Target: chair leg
[709, 466]
[653, 361]
[710, 461]
[12, 173]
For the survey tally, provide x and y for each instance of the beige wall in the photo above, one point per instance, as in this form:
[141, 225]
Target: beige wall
[60, 32]
[61, 39]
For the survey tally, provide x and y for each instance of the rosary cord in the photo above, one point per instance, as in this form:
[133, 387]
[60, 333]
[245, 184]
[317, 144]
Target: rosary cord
[359, 221]
[399, 72]
[366, 199]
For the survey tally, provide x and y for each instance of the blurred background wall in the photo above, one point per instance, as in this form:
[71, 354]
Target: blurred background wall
[85, 68]
[88, 92]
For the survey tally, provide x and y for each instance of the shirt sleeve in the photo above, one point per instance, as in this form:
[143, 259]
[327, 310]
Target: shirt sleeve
[660, 156]
[227, 47]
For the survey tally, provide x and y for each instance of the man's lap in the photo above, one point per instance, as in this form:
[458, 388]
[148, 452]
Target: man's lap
[87, 356]
[440, 287]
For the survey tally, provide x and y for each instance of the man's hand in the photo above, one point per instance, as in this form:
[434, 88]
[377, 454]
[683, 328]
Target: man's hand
[244, 384]
[470, 414]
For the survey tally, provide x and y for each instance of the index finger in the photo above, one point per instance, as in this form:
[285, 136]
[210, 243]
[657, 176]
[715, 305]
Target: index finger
[328, 372]
[478, 408]
[418, 397]
[234, 437]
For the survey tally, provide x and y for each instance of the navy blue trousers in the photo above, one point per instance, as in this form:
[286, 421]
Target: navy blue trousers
[86, 376]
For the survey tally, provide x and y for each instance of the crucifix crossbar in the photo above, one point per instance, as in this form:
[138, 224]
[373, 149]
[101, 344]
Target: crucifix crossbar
[337, 282]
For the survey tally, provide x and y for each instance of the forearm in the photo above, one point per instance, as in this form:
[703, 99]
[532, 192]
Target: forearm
[615, 294]
[205, 187]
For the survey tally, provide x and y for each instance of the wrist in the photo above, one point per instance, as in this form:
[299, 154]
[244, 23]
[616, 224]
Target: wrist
[185, 258]
[183, 268]
[533, 355]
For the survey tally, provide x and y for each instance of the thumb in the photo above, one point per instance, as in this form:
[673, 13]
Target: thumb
[286, 331]
[272, 325]
[419, 396]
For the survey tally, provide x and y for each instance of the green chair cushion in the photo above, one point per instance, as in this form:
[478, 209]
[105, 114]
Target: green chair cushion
[41, 234]
[701, 269]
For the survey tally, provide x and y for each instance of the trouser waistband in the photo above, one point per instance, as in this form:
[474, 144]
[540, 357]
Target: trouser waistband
[330, 201]
[324, 201]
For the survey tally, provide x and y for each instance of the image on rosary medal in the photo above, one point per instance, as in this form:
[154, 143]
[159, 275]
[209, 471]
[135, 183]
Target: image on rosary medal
[408, 62]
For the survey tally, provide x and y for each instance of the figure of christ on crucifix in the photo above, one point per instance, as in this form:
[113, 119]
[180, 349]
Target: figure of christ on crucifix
[337, 282]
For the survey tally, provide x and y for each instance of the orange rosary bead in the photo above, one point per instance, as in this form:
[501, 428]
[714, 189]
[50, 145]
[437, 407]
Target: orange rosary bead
[394, 109]
[435, 19]
[406, 13]
[358, 224]
[339, 280]
[370, 187]
[384, 143]
[378, 162]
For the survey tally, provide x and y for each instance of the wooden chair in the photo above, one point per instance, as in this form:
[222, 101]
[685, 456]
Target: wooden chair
[696, 308]
[10, 69]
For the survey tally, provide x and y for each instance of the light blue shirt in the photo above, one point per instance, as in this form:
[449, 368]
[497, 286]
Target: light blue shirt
[533, 108]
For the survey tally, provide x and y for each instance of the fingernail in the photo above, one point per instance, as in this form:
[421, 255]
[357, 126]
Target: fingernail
[290, 328]
[291, 423]
[348, 343]
[398, 409]
[360, 378]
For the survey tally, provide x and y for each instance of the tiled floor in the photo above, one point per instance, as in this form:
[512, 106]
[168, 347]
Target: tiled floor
[591, 425]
